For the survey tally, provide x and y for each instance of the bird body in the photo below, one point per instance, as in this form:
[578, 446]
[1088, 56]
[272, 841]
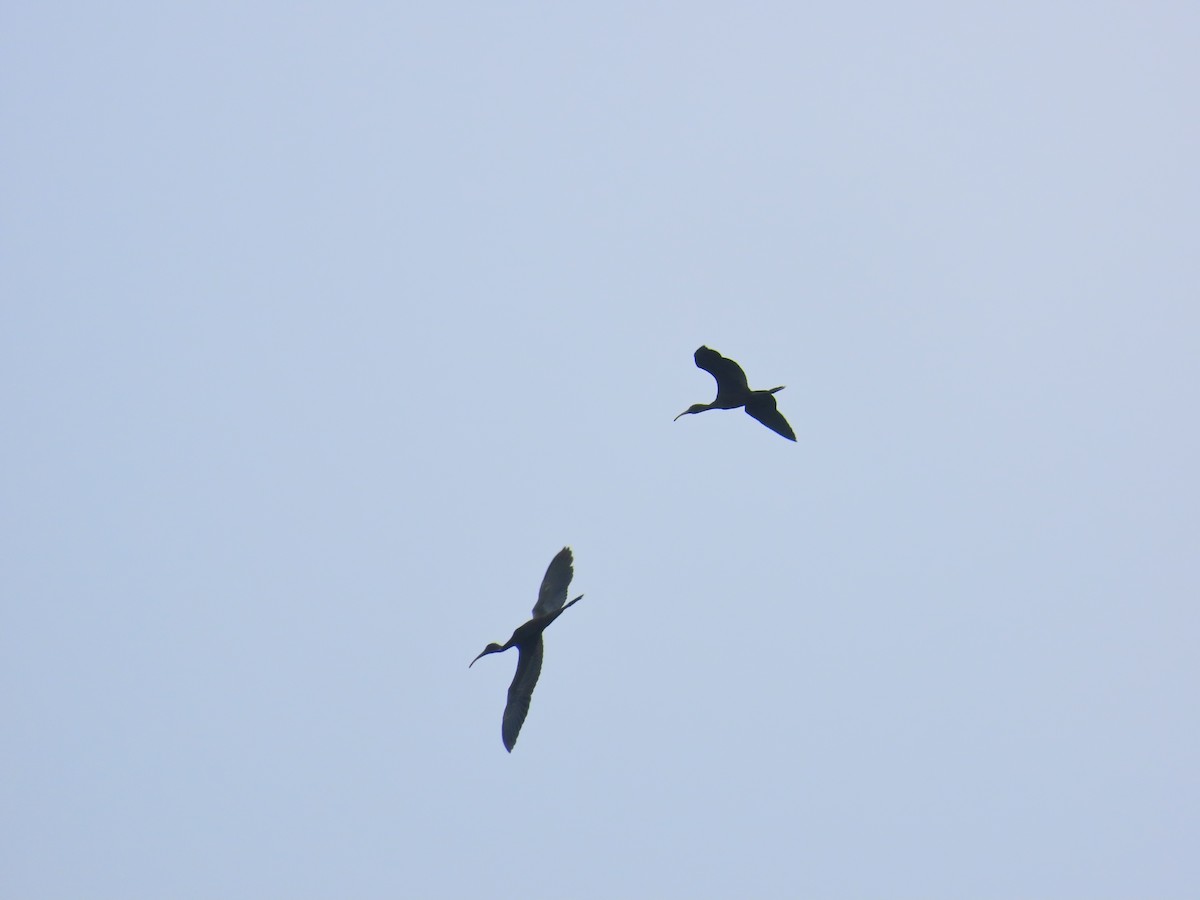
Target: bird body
[528, 641]
[734, 391]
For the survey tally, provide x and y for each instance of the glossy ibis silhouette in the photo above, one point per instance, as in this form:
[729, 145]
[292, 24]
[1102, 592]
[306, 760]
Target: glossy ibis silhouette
[733, 391]
[528, 641]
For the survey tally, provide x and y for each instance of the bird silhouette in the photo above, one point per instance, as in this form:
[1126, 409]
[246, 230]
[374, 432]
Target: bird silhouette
[733, 391]
[528, 641]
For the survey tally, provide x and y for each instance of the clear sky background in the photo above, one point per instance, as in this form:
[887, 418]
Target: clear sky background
[324, 326]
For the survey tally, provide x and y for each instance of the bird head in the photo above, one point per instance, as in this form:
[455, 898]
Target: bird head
[694, 408]
[490, 648]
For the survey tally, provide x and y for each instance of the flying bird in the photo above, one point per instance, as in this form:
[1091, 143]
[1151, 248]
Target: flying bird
[528, 641]
[733, 391]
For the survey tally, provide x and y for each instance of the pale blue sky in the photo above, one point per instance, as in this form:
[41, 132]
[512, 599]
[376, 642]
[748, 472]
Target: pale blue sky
[326, 325]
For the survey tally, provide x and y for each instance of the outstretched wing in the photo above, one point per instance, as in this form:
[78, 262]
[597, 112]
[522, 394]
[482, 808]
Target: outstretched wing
[731, 380]
[553, 593]
[529, 667]
[762, 407]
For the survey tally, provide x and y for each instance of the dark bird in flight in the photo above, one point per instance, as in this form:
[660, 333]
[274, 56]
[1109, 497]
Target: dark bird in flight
[733, 391]
[528, 641]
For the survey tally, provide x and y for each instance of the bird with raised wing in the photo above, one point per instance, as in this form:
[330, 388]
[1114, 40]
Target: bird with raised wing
[551, 604]
[734, 391]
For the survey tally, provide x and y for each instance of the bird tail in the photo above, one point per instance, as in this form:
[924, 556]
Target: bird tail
[573, 602]
[776, 390]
